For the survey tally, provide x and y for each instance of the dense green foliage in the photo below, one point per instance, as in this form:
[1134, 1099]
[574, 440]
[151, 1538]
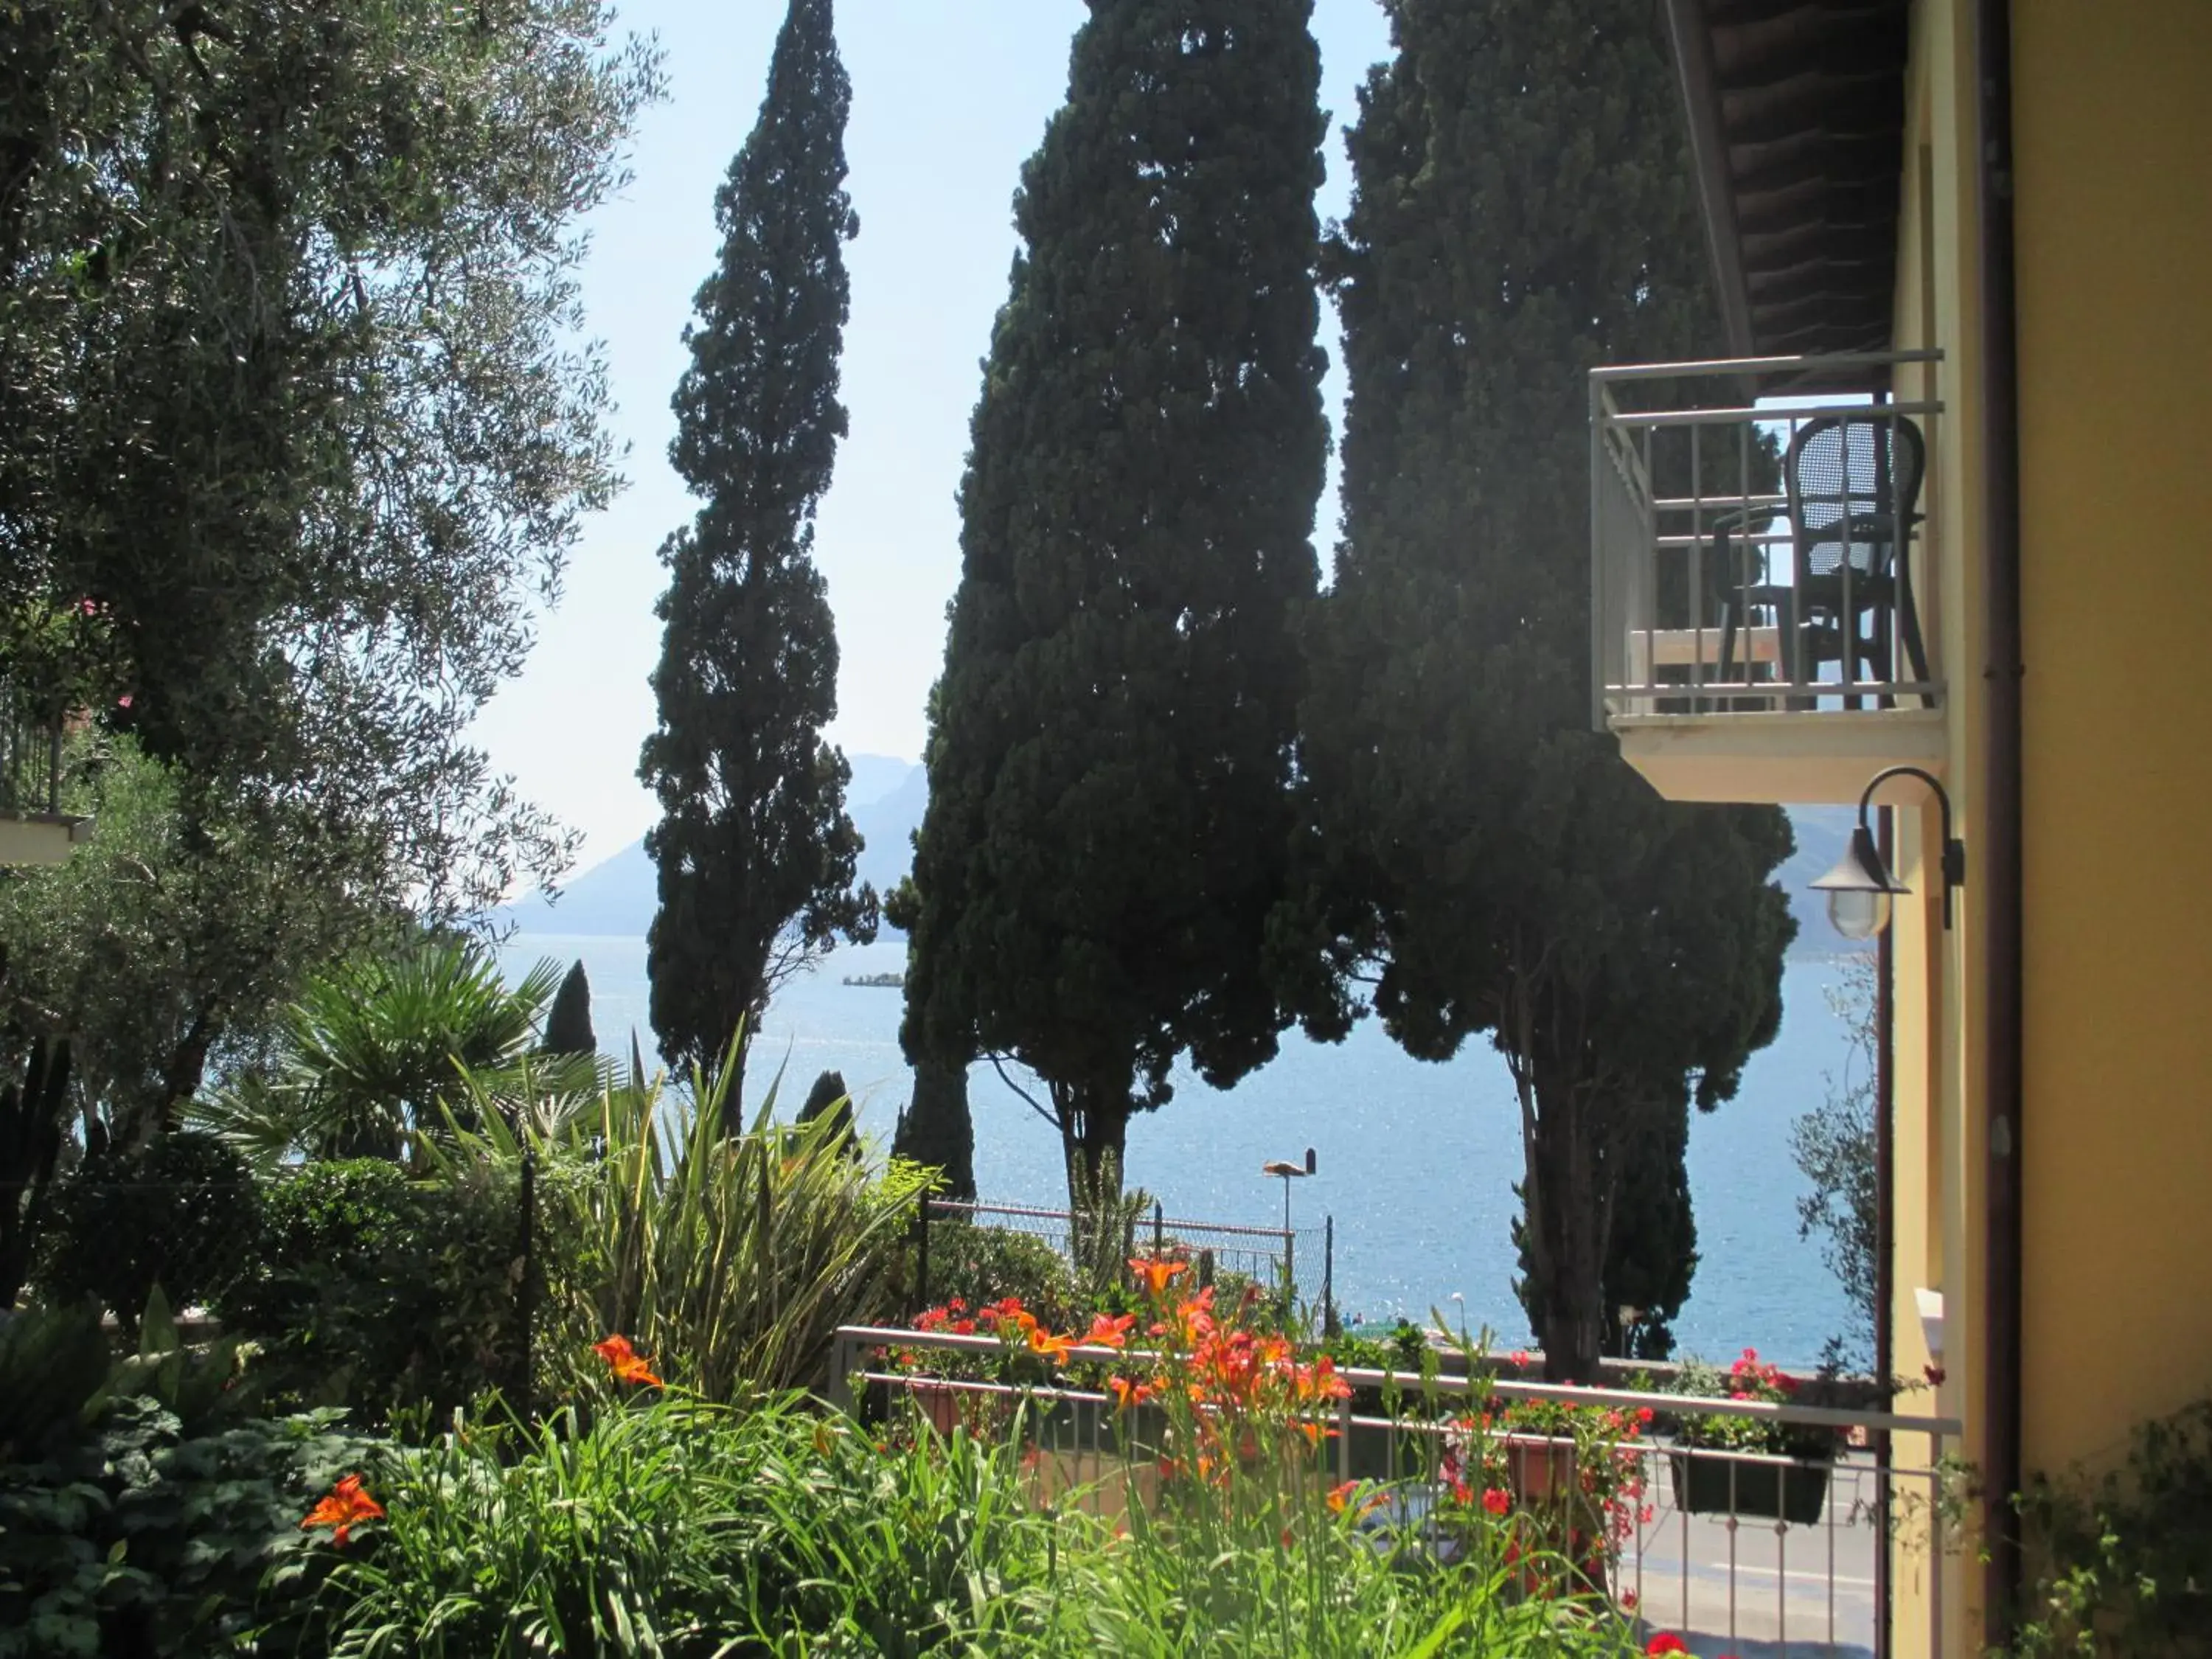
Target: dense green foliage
[755, 851]
[388, 1294]
[146, 1540]
[386, 1046]
[1110, 742]
[1474, 852]
[568, 1021]
[281, 295]
[2120, 1565]
[182, 1213]
[669, 1528]
[291, 396]
[163, 947]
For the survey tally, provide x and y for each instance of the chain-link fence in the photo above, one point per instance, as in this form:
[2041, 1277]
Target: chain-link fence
[980, 1251]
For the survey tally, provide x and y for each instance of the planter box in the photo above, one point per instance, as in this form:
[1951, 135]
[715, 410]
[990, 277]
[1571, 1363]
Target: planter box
[1706, 1482]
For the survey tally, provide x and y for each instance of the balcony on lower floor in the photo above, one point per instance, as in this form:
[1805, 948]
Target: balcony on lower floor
[1762, 568]
[33, 830]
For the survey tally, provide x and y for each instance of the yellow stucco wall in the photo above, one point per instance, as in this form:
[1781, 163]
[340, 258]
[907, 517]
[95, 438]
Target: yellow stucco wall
[2113, 145]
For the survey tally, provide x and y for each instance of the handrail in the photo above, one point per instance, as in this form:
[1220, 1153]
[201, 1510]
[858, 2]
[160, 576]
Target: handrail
[1560, 1393]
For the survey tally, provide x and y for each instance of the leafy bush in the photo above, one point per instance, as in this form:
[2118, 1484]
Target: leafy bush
[388, 1293]
[977, 1265]
[2123, 1565]
[183, 1214]
[144, 1541]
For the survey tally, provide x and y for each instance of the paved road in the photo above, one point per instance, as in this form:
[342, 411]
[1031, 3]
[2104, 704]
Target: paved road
[1756, 1588]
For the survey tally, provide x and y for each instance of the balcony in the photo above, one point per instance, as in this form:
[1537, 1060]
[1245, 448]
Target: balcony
[33, 830]
[1762, 625]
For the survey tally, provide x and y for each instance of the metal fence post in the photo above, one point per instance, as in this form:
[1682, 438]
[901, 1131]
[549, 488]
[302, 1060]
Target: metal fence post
[525, 1289]
[1328, 1325]
[921, 1251]
[1159, 1231]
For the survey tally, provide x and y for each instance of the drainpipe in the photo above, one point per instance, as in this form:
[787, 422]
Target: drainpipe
[1885, 1230]
[1999, 858]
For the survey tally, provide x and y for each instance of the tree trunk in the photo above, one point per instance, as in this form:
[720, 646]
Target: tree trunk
[1567, 1209]
[1094, 1131]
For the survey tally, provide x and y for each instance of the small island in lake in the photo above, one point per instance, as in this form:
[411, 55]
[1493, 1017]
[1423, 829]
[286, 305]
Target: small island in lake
[882, 981]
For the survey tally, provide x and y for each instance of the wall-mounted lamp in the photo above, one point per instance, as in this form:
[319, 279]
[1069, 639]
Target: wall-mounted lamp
[1859, 888]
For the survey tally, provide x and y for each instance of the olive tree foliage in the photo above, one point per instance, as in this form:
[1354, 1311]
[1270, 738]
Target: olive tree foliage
[1111, 739]
[1478, 861]
[294, 409]
[1833, 1147]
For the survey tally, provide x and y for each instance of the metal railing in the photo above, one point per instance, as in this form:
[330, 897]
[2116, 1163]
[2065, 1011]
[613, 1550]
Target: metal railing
[1271, 1257]
[1723, 1547]
[30, 754]
[1759, 536]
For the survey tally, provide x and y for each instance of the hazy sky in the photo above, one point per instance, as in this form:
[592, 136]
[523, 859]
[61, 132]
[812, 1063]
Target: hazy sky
[948, 98]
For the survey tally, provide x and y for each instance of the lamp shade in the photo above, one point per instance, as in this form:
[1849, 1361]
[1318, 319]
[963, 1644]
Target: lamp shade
[1859, 888]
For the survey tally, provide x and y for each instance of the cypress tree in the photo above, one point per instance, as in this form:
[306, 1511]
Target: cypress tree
[1522, 213]
[1110, 741]
[831, 1097]
[568, 1022]
[754, 849]
[935, 1129]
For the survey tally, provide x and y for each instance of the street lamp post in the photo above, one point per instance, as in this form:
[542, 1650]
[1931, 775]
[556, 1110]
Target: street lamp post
[1289, 1172]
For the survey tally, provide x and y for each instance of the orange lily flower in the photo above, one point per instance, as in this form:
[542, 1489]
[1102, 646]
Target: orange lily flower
[1127, 1394]
[345, 1505]
[1155, 1274]
[1044, 1342]
[1340, 1498]
[1108, 1333]
[625, 1363]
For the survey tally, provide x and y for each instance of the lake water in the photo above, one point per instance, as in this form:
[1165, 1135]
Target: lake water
[1416, 1160]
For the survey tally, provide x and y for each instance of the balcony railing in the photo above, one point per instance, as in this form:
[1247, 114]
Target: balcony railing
[1728, 1547]
[1760, 537]
[30, 756]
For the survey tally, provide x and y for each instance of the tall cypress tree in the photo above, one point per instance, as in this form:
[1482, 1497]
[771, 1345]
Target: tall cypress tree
[1110, 742]
[1522, 213]
[936, 1129]
[568, 1022]
[755, 851]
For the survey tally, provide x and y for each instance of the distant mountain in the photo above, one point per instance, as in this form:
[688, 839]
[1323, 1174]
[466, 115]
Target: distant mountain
[617, 898]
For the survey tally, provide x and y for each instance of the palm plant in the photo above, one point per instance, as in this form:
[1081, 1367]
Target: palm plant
[376, 1049]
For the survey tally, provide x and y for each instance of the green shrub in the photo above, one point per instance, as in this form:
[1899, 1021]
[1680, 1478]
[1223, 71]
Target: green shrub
[2122, 1565]
[142, 1541]
[183, 1214]
[386, 1293]
[978, 1264]
[618, 1535]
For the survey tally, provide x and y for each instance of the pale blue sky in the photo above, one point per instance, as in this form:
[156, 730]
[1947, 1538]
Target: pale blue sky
[948, 98]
